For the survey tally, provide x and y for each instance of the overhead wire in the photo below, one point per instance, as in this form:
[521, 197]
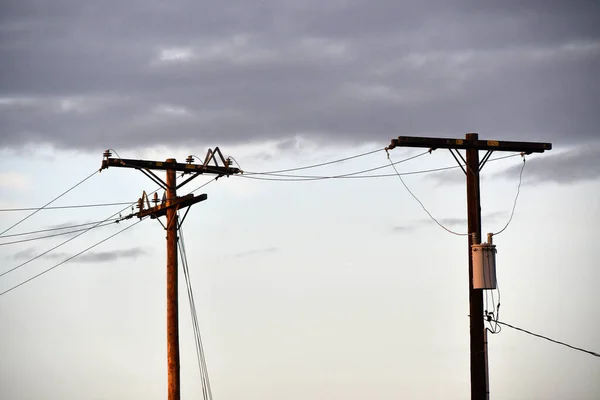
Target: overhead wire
[48, 203]
[516, 198]
[49, 250]
[205, 381]
[353, 175]
[593, 353]
[321, 164]
[292, 178]
[55, 229]
[68, 240]
[69, 258]
[58, 234]
[64, 207]
[421, 203]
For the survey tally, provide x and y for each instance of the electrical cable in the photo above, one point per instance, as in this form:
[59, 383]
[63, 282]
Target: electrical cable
[69, 258]
[296, 178]
[324, 163]
[48, 251]
[206, 389]
[421, 203]
[549, 339]
[48, 203]
[515, 202]
[56, 229]
[57, 234]
[353, 176]
[64, 207]
[204, 184]
[68, 240]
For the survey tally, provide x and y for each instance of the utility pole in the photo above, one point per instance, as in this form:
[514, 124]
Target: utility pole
[169, 207]
[471, 144]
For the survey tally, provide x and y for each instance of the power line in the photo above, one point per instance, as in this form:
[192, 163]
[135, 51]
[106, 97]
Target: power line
[516, 198]
[50, 202]
[58, 234]
[206, 390]
[67, 241]
[204, 184]
[315, 178]
[421, 203]
[549, 339]
[64, 207]
[353, 175]
[324, 163]
[58, 228]
[69, 259]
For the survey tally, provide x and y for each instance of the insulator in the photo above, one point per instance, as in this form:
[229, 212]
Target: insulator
[189, 160]
[107, 154]
[155, 199]
[140, 203]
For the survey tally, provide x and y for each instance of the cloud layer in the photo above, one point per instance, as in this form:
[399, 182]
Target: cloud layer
[86, 75]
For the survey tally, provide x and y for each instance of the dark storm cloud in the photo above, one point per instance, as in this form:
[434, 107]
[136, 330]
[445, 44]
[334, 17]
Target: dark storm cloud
[89, 257]
[577, 165]
[88, 74]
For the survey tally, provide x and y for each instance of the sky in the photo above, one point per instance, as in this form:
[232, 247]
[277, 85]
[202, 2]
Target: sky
[332, 288]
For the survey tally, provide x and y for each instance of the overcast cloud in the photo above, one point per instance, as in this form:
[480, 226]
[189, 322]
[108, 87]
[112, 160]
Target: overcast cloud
[92, 75]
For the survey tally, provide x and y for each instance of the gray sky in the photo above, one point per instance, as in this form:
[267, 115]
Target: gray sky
[334, 289]
[349, 70]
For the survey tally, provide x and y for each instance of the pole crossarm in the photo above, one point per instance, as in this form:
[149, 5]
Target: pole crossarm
[472, 167]
[494, 145]
[164, 165]
[178, 203]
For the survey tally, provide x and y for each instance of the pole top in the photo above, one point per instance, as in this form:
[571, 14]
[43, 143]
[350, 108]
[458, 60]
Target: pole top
[472, 136]
[171, 160]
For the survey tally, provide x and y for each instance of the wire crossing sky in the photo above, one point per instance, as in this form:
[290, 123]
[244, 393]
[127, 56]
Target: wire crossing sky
[315, 274]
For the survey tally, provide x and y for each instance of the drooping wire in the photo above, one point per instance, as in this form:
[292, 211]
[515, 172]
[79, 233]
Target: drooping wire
[57, 234]
[206, 389]
[64, 207]
[69, 258]
[56, 229]
[48, 203]
[321, 164]
[516, 198]
[593, 353]
[353, 175]
[421, 203]
[293, 178]
[70, 239]
[288, 177]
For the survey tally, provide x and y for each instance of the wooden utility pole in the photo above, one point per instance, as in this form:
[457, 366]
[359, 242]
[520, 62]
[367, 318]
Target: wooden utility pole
[172, 288]
[479, 378]
[169, 207]
[471, 167]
